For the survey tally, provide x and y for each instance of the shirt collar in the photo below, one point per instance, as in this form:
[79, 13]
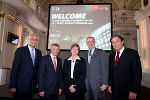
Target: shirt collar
[52, 56]
[92, 51]
[121, 50]
[30, 48]
[75, 59]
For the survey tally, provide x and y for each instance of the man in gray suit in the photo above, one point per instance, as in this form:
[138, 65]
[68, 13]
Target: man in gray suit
[96, 71]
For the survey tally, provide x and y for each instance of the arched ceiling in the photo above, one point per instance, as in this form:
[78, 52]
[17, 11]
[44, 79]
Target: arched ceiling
[116, 4]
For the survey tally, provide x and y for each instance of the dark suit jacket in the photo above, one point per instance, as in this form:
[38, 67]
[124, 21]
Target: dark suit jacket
[49, 81]
[78, 76]
[24, 74]
[126, 75]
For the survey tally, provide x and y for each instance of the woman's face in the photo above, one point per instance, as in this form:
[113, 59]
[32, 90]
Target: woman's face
[74, 51]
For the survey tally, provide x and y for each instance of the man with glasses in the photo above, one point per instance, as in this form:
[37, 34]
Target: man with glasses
[23, 79]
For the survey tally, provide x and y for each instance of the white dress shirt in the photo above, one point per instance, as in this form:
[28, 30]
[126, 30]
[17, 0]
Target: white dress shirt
[30, 49]
[73, 64]
[52, 57]
[121, 51]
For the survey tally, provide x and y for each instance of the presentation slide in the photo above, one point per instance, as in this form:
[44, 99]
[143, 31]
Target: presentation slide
[69, 24]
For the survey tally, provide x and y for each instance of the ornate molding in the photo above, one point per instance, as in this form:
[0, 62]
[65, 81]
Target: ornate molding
[2, 15]
[124, 18]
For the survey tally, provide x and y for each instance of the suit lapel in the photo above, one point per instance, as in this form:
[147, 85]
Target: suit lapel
[93, 56]
[69, 66]
[36, 54]
[28, 54]
[75, 67]
[50, 62]
[58, 62]
[122, 55]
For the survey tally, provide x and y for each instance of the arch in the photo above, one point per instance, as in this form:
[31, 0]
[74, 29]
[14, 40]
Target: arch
[134, 5]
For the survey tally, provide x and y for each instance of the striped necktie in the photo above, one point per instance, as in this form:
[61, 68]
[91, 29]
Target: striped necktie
[117, 58]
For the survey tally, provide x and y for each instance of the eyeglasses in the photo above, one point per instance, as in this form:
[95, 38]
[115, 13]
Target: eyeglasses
[33, 39]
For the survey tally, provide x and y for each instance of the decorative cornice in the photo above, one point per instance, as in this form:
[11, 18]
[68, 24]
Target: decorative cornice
[2, 14]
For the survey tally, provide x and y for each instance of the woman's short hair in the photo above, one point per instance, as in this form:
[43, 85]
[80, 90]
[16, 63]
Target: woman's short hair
[75, 45]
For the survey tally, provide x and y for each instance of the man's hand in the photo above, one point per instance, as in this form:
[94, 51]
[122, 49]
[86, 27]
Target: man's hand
[109, 89]
[60, 91]
[103, 87]
[13, 90]
[37, 86]
[132, 95]
[41, 94]
[72, 89]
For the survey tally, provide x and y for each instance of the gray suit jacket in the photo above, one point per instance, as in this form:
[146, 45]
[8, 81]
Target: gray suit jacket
[97, 70]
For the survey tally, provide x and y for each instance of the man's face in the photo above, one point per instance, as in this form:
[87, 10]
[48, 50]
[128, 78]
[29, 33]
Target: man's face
[54, 50]
[33, 41]
[117, 43]
[90, 42]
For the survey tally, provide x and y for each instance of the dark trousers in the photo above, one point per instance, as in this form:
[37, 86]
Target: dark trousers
[50, 97]
[74, 97]
[23, 95]
[115, 97]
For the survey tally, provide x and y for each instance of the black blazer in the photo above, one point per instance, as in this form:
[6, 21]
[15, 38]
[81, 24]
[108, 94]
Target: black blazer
[78, 76]
[49, 81]
[23, 73]
[126, 76]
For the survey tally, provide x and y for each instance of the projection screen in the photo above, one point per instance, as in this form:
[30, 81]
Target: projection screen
[70, 24]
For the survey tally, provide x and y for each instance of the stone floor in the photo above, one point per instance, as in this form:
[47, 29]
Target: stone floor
[6, 95]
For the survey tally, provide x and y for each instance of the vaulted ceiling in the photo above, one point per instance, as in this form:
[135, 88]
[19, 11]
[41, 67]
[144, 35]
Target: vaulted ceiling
[116, 4]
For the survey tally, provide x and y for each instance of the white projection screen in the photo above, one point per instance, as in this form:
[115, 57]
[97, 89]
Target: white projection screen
[69, 24]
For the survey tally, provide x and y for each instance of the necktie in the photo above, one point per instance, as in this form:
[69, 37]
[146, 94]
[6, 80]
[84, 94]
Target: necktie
[117, 58]
[54, 61]
[90, 55]
[32, 56]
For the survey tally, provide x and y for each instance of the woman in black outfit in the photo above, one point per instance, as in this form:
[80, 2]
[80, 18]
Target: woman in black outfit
[74, 75]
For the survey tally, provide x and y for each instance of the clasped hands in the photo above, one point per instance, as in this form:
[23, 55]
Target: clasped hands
[72, 88]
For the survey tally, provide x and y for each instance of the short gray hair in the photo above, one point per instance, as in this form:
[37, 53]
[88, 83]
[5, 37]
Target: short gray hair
[33, 34]
[90, 37]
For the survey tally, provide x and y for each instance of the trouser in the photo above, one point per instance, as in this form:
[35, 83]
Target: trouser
[23, 95]
[94, 95]
[74, 97]
[50, 97]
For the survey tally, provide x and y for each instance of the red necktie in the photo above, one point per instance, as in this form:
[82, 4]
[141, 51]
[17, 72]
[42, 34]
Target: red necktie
[54, 61]
[117, 58]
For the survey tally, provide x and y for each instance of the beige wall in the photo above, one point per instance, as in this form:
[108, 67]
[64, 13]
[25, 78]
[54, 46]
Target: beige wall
[42, 43]
[9, 48]
[143, 37]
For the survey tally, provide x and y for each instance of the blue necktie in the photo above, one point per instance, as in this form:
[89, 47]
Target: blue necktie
[32, 56]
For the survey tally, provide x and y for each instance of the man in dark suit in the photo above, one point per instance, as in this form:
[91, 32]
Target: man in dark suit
[23, 79]
[96, 71]
[50, 75]
[125, 73]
